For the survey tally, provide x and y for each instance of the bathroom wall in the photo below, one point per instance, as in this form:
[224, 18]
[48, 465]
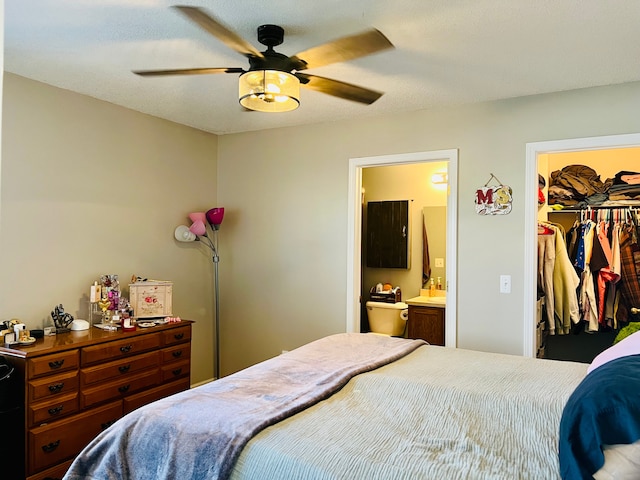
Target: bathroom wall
[404, 182]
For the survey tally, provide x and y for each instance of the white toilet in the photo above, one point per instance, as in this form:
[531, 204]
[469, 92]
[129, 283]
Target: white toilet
[387, 318]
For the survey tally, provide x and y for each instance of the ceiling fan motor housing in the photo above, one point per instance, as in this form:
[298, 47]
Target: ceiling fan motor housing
[270, 35]
[274, 61]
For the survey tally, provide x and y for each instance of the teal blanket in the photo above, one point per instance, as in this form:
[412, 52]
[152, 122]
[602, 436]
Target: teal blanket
[200, 433]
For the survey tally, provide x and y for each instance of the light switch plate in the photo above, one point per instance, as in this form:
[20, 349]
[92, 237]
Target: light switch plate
[505, 283]
[439, 262]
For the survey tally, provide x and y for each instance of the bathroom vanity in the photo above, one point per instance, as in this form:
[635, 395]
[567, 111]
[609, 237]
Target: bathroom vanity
[427, 318]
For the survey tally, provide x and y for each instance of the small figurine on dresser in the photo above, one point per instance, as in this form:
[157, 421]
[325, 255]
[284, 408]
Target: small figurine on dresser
[61, 319]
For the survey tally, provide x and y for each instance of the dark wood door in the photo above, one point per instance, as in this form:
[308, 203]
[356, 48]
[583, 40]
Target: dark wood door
[388, 234]
[426, 323]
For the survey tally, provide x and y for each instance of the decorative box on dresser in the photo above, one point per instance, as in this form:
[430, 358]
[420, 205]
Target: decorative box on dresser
[427, 319]
[74, 385]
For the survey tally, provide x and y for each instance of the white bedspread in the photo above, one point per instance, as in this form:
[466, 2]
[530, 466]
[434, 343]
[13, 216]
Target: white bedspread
[438, 413]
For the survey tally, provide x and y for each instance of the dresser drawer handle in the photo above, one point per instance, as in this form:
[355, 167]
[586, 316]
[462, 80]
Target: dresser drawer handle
[177, 353]
[124, 388]
[56, 410]
[56, 388]
[179, 336]
[177, 371]
[50, 447]
[126, 348]
[106, 425]
[55, 365]
[124, 368]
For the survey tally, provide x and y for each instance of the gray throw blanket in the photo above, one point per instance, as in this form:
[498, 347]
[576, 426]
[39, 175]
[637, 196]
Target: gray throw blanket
[200, 433]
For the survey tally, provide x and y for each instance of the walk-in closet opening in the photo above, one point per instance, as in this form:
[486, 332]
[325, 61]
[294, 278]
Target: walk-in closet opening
[588, 259]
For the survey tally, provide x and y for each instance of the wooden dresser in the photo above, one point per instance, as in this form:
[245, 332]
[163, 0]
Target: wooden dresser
[76, 384]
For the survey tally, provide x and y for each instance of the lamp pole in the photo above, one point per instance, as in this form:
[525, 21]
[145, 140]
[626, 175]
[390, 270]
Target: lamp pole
[216, 341]
[198, 231]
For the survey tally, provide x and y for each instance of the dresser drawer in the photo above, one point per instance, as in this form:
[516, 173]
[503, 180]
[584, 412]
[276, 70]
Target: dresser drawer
[119, 349]
[118, 369]
[119, 388]
[52, 386]
[54, 473]
[176, 335]
[175, 370]
[61, 440]
[179, 352]
[55, 363]
[151, 395]
[48, 411]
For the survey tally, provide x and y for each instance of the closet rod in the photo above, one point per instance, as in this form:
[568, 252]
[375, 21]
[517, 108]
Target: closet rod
[595, 207]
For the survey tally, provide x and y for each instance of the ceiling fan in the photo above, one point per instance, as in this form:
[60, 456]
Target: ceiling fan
[272, 81]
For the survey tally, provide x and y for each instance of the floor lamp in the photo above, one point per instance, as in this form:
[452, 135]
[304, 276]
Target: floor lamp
[204, 228]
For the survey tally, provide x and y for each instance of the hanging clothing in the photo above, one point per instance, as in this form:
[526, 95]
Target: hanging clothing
[612, 293]
[546, 262]
[606, 274]
[559, 280]
[630, 287]
[565, 284]
[589, 307]
[426, 263]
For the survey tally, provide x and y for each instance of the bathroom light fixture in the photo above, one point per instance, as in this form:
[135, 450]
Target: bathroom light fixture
[269, 91]
[198, 231]
[439, 178]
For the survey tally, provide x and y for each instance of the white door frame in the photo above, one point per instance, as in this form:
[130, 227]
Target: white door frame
[531, 215]
[354, 233]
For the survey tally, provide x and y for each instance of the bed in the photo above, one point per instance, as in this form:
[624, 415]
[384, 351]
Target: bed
[361, 406]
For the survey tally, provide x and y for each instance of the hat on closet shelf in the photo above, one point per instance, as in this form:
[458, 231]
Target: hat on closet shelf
[541, 184]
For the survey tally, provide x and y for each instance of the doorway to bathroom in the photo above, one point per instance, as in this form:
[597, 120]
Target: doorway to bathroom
[446, 158]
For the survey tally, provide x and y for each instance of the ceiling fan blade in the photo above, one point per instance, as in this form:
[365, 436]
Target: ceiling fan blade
[218, 30]
[338, 89]
[343, 49]
[187, 71]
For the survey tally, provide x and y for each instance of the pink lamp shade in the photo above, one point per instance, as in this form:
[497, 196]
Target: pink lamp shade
[214, 216]
[183, 234]
[195, 216]
[198, 228]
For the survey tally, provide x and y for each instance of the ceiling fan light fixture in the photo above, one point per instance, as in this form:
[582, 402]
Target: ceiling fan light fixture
[269, 91]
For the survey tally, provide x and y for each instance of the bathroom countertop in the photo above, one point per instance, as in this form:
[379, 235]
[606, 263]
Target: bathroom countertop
[424, 301]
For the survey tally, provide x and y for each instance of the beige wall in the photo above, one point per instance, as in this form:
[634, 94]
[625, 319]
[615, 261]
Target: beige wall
[91, 188]
[283, 243]
[283, 274]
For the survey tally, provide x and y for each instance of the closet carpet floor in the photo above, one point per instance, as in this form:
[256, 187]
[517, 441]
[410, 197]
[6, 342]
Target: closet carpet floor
[583, 347]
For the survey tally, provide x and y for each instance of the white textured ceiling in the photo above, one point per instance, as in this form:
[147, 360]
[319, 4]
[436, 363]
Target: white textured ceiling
[447, 52]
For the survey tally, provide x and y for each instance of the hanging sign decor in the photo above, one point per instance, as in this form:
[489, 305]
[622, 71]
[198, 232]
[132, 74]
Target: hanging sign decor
[493, 200]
